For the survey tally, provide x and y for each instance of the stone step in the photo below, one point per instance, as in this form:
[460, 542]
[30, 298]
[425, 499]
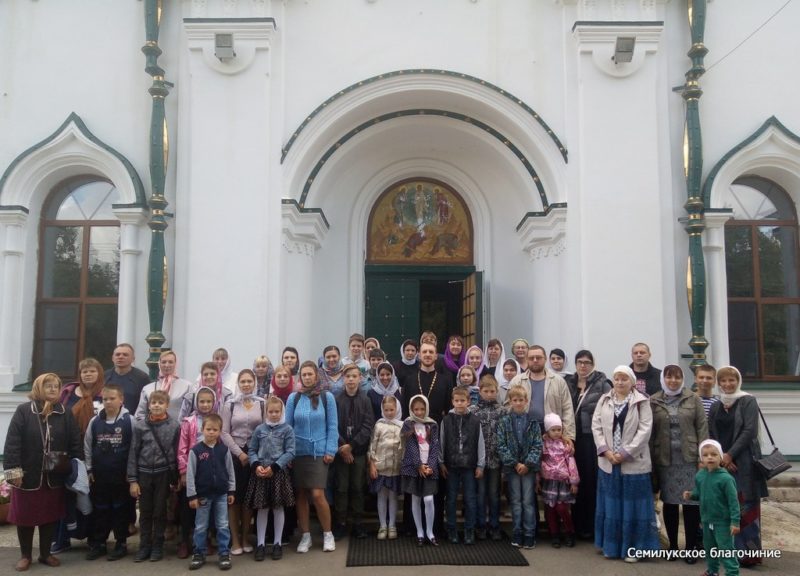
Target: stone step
[786, 487]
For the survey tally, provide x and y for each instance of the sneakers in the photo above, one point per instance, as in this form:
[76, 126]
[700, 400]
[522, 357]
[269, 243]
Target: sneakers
[630, 559]
[305, 543]
[516, 540]
[197, 562]
[469, 537]
[142, 554]
[277, 552]
[224, 562]
[392, 533]
[530, 542]
[95, 552]
[452, 536]
[119, 552]
[157, 555]
[261, 553]
[383, 532]
[328, 542]
[59, 547]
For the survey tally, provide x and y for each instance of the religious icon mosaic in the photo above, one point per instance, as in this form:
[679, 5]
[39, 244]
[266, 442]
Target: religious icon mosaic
[419, 222]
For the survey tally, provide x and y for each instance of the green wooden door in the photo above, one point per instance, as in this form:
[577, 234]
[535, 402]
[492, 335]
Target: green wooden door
[392, 311]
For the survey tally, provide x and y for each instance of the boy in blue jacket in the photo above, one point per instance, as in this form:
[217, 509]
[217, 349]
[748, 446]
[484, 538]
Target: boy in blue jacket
[106, 446]
[519, 443]
[210, 486]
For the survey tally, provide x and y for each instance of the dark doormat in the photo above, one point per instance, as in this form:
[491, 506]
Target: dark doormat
[405, 552]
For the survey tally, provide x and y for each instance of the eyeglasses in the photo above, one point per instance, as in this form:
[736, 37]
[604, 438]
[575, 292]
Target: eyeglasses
[584, 363]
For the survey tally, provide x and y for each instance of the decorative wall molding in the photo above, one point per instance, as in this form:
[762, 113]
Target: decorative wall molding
[72, 149]
[598, 38]
[250, 35]
[303, 230]
[772, 150]
[543, 234]
[615, 9]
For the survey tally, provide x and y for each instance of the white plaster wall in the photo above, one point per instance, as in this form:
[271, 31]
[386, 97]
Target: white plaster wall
[509, 43]
[751, 83]
[224, 206]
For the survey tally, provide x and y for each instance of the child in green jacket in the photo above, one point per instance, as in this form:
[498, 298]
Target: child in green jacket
[719, 509]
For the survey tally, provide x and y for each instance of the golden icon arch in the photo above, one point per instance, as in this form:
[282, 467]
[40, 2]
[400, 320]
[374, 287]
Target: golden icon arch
[420, 221]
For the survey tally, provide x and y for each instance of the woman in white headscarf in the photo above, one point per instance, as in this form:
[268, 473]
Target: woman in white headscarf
[679, 425]
[625, 519]
[733, 422]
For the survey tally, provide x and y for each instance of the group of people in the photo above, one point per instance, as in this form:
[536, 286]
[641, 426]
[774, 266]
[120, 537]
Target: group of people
[270, 441]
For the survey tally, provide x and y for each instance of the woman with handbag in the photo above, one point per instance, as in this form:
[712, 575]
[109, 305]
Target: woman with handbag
[42, 438]
[733, 422]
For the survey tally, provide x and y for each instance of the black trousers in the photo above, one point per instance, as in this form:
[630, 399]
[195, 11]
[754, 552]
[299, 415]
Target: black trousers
[153, 509]
[110, 511]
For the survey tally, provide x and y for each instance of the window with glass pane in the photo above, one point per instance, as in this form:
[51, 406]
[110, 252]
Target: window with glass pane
[78, 277]
[761, 247]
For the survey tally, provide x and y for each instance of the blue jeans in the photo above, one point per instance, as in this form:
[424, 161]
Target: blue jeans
[218, 505]
[456, 478]
[489, 494]
[523, 509]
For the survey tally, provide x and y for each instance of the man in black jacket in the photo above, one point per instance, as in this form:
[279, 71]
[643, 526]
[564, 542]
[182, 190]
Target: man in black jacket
[648, 377]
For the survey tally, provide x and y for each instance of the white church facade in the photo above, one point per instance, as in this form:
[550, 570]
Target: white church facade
[253, 174]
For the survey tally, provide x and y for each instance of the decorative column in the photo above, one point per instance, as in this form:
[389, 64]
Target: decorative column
[157, 281]
[620, 155]
[228, 188]
[717, 310]
[303, 233]
[14, 222]
[693, 168]
[130, 221]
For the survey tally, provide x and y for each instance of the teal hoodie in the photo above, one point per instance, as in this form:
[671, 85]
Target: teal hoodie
[717, 494]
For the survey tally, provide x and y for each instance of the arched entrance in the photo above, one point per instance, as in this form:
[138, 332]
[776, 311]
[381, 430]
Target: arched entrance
[420, 272]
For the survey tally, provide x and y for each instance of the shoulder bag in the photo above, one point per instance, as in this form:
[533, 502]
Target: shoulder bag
[775, 463]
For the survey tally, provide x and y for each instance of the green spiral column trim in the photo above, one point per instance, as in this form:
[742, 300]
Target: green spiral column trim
[157, 279]
[695, 223]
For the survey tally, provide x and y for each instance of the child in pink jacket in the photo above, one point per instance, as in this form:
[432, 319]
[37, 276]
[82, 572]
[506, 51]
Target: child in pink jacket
[557, 482]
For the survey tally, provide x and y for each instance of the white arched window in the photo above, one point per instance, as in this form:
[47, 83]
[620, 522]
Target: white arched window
[78, 280]
[761, 248]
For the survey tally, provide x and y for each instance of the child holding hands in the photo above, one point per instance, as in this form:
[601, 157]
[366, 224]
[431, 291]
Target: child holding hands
[719, 508]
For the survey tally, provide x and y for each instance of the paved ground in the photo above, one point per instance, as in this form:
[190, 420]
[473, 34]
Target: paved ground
[781, 522]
